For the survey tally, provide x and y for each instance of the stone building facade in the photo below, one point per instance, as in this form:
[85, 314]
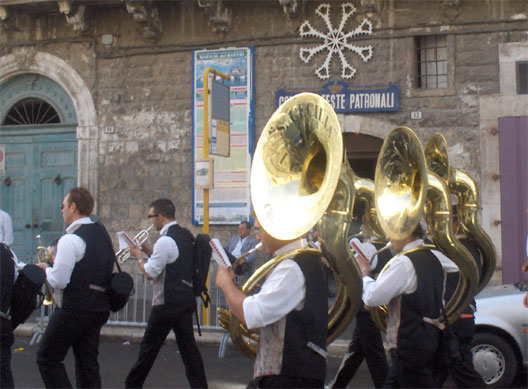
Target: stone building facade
[126, 66]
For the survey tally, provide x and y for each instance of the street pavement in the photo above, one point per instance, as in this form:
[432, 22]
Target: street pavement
[116, 357]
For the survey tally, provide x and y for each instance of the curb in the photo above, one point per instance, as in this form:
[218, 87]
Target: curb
[210, 337]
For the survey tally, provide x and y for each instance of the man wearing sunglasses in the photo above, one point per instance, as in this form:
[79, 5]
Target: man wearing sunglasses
[170, 265]
[80, 275]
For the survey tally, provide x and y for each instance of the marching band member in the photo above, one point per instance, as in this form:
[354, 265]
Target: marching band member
[463, 373]
[80, 274]
[291, 312]
[412, 287]
[366, 340]
[173, 303]
[7, 337]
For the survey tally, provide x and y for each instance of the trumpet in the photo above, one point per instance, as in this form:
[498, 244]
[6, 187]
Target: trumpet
[256, 248]
[124, 254]
[43, 255]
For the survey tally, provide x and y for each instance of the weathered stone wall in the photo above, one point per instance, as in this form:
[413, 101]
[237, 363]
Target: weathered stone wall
[143, 89]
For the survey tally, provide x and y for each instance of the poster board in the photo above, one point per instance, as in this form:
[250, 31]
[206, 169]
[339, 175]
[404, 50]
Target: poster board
[229, 201]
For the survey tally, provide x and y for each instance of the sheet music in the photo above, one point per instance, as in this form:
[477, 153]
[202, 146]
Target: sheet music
[125, 241]
[219, 254]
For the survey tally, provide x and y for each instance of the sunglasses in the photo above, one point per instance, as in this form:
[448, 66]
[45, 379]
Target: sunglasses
[155, 215]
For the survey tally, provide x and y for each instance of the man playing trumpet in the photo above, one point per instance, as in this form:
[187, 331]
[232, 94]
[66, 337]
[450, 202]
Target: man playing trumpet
[169, 265]
[291, 312]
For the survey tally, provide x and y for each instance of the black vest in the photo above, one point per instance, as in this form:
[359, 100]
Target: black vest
[174, 289]
[414, 333]
[307, 325]
[7, 275]
[93, 271]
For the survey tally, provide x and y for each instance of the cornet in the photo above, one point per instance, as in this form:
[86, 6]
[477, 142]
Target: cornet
[43, 255]
[124, 254]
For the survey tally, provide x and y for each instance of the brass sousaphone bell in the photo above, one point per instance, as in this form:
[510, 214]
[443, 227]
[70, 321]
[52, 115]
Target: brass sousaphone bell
[299, 179]
[464, 187]
[405, 190]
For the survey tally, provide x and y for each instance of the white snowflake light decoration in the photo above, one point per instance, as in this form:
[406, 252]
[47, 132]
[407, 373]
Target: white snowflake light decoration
[335, 41]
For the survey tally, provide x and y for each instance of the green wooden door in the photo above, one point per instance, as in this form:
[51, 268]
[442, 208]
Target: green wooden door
[38, 134]
[41, 170]
[16, 196]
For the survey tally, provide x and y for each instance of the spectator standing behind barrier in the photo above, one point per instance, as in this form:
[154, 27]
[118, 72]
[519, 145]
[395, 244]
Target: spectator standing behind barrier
[80, 275]
[170, 265]
[291, 310]
[6, 228]
[240, 244]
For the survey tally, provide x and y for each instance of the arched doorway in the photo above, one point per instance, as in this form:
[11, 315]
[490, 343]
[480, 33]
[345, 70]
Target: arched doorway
[38, 136]
[362, 153]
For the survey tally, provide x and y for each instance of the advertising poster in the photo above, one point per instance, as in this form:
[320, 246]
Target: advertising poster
[229, 201]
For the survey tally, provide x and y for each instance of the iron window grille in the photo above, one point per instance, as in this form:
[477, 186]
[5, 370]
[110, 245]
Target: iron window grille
[522, 77]
[31, 111]
[432, 61]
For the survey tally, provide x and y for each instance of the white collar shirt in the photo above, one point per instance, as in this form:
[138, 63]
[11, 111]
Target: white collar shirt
[283, 291]
[70, 250]
[164, 252]
[399, 278]
[237, 251]
[6, 228]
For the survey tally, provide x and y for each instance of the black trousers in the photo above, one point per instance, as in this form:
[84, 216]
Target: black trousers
[463, 373]
[162, 320]
[281, 381]
[7, 338]
[366, 344]
[80, 331]
[411, 369]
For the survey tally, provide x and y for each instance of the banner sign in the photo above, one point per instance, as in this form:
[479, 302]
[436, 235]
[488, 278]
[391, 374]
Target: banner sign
[229, 201]
[346, 99]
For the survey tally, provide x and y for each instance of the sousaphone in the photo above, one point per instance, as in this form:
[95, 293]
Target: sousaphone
[405, 190]
[298, 179]
[464, 187]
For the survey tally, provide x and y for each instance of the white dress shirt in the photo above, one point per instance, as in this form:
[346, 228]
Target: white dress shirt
[237, 251]
[6, 228]
[164, 252]
[283, 291]
[70, 250]
[399, 278]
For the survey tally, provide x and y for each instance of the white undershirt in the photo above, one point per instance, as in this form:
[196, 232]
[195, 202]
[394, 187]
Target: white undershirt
[399, 278]
[70, 250]
[164, 252]
[283, 291]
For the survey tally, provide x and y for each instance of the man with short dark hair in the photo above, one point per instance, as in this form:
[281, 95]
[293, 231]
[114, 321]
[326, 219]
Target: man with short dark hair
[170, 265]
[412, 287]
[240, 244]
[80, 275]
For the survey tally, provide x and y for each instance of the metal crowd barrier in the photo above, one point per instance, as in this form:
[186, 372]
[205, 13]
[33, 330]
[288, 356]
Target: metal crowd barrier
[137, 310]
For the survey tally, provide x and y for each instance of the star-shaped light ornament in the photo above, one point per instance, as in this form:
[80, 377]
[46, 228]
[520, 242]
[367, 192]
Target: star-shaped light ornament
[336, 41]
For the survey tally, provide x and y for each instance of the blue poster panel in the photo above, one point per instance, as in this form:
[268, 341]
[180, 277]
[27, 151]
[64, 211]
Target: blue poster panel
[229, 201]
